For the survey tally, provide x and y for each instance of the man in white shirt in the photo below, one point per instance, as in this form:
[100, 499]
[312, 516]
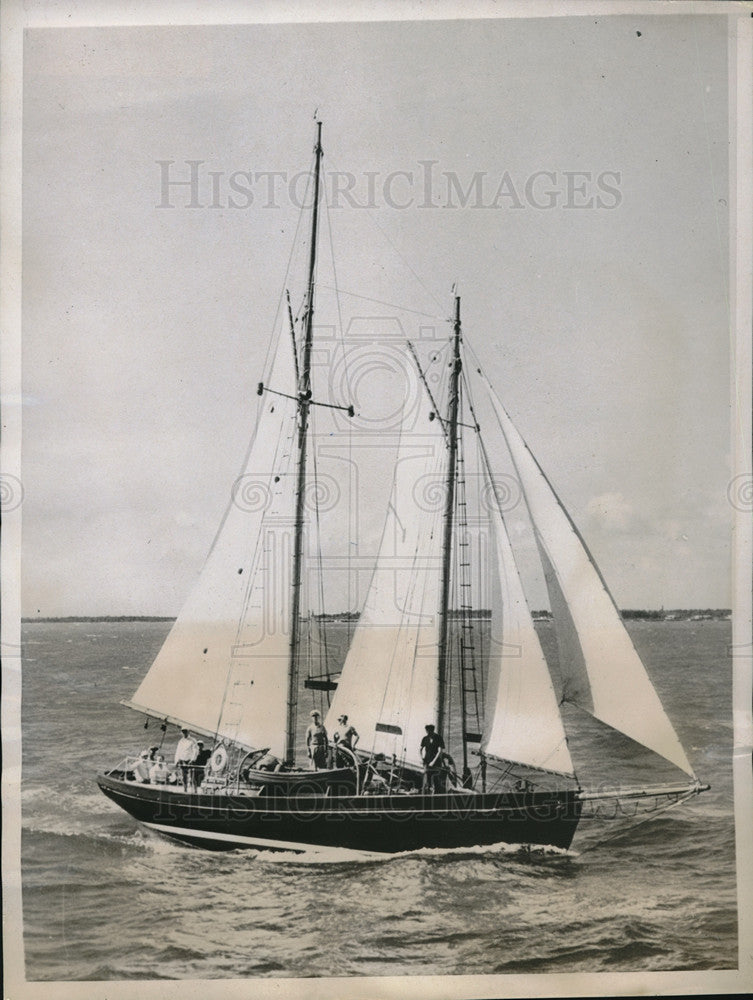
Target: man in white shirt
[185, 754]
[142, 767]
[159, 772]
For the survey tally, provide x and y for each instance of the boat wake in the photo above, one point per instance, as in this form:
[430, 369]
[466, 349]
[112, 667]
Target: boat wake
[444, 854]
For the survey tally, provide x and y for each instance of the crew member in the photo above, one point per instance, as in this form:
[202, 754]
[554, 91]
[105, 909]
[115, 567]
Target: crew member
[159, 772]
[432, 749]
[316, 742]
[185, 755]
[200, 764]
[142, 768]
[345, 736]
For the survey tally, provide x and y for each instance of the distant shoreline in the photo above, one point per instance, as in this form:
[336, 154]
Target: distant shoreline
[102, 618]
[629, 614]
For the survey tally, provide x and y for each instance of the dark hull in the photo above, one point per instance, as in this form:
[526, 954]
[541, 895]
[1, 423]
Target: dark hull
[375, 824]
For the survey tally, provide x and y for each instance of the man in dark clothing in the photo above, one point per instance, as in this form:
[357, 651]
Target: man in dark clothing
[432, 748]
[199, 765]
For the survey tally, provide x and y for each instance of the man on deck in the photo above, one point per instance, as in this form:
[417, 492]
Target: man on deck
[432, 748]
[344, 736]
[185, 754]
[316, 742]
[199, 765]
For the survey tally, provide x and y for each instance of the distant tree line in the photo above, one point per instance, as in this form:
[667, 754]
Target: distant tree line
[675, 614]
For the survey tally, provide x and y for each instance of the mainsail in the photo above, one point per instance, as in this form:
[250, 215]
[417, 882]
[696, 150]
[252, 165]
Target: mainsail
[524, 724]
[389, 683]
[223, 667]
[602, 672]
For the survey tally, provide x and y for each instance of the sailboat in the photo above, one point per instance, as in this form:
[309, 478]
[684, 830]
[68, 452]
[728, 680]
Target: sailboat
[425, 658]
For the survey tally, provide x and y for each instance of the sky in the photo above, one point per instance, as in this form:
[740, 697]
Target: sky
[578, 197]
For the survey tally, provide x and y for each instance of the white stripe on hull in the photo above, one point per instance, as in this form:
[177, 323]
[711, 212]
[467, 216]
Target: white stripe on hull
[280, 845]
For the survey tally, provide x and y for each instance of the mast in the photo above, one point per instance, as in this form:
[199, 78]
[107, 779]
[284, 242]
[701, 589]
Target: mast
[304, 402]
[449, 512]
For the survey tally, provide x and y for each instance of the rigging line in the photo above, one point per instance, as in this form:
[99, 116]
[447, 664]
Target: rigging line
[428, 573]
[391, 666]
[481, 461]
[405, 623]
[391, 305]
[272, 347]
[335, 289]
[412, 590]
[625, 830]
[483, 655]
[285, 440]
[397, 252]
[573, 526]
[422, 376]
[323, 648]
[487, 465]
[293, 247]
[349, 559]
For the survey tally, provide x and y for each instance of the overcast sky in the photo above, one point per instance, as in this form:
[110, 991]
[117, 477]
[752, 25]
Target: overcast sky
[591, 255]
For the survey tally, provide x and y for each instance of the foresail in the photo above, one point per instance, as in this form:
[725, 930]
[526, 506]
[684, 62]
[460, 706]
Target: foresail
[602, 672]
[525, 725]
[223, 667]
[389, 683]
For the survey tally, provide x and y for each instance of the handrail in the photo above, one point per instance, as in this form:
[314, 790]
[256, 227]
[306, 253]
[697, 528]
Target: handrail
[341, 748]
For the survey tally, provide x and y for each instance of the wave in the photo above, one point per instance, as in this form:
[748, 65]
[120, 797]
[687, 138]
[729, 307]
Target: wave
[133, 839]
[343, 856]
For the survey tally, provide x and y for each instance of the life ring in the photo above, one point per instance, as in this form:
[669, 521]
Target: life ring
[218, 760]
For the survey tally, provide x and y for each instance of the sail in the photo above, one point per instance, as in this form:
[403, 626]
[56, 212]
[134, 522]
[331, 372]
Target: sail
[389, 683]
[525, 725]
[223, 667]
[602, 672]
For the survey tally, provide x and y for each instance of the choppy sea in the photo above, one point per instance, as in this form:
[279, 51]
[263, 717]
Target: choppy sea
[104, 900]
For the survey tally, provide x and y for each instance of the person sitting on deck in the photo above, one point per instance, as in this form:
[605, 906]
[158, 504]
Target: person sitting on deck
[269, 763]
[345, 736]
[185, 755]
[316, 742]
[432, 750]
[159, 772]
[200, 764]
[142, 768]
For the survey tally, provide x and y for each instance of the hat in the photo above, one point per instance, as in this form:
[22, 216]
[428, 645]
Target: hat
[342, 718]
[199, 743]
[429, 726]
[144, 753]
[314, 713]
[183, 729]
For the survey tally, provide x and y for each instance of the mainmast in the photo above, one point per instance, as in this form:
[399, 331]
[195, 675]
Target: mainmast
[304, 403]
[449, 514]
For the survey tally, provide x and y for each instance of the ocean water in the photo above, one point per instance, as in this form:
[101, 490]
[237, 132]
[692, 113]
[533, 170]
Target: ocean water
[104, 900]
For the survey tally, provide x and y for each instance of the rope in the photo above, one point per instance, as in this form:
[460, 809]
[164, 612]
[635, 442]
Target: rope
[322, 630]
[373, 221]
[391, 305]
[350, 588]
[651, 815]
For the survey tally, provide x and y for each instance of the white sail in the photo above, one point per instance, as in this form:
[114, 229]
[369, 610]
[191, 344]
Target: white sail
[223, 667]
[602, 672]
[525, 725]
[389, 683]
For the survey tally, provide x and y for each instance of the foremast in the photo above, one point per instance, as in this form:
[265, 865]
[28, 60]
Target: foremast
[449, 517]
[304, 404]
